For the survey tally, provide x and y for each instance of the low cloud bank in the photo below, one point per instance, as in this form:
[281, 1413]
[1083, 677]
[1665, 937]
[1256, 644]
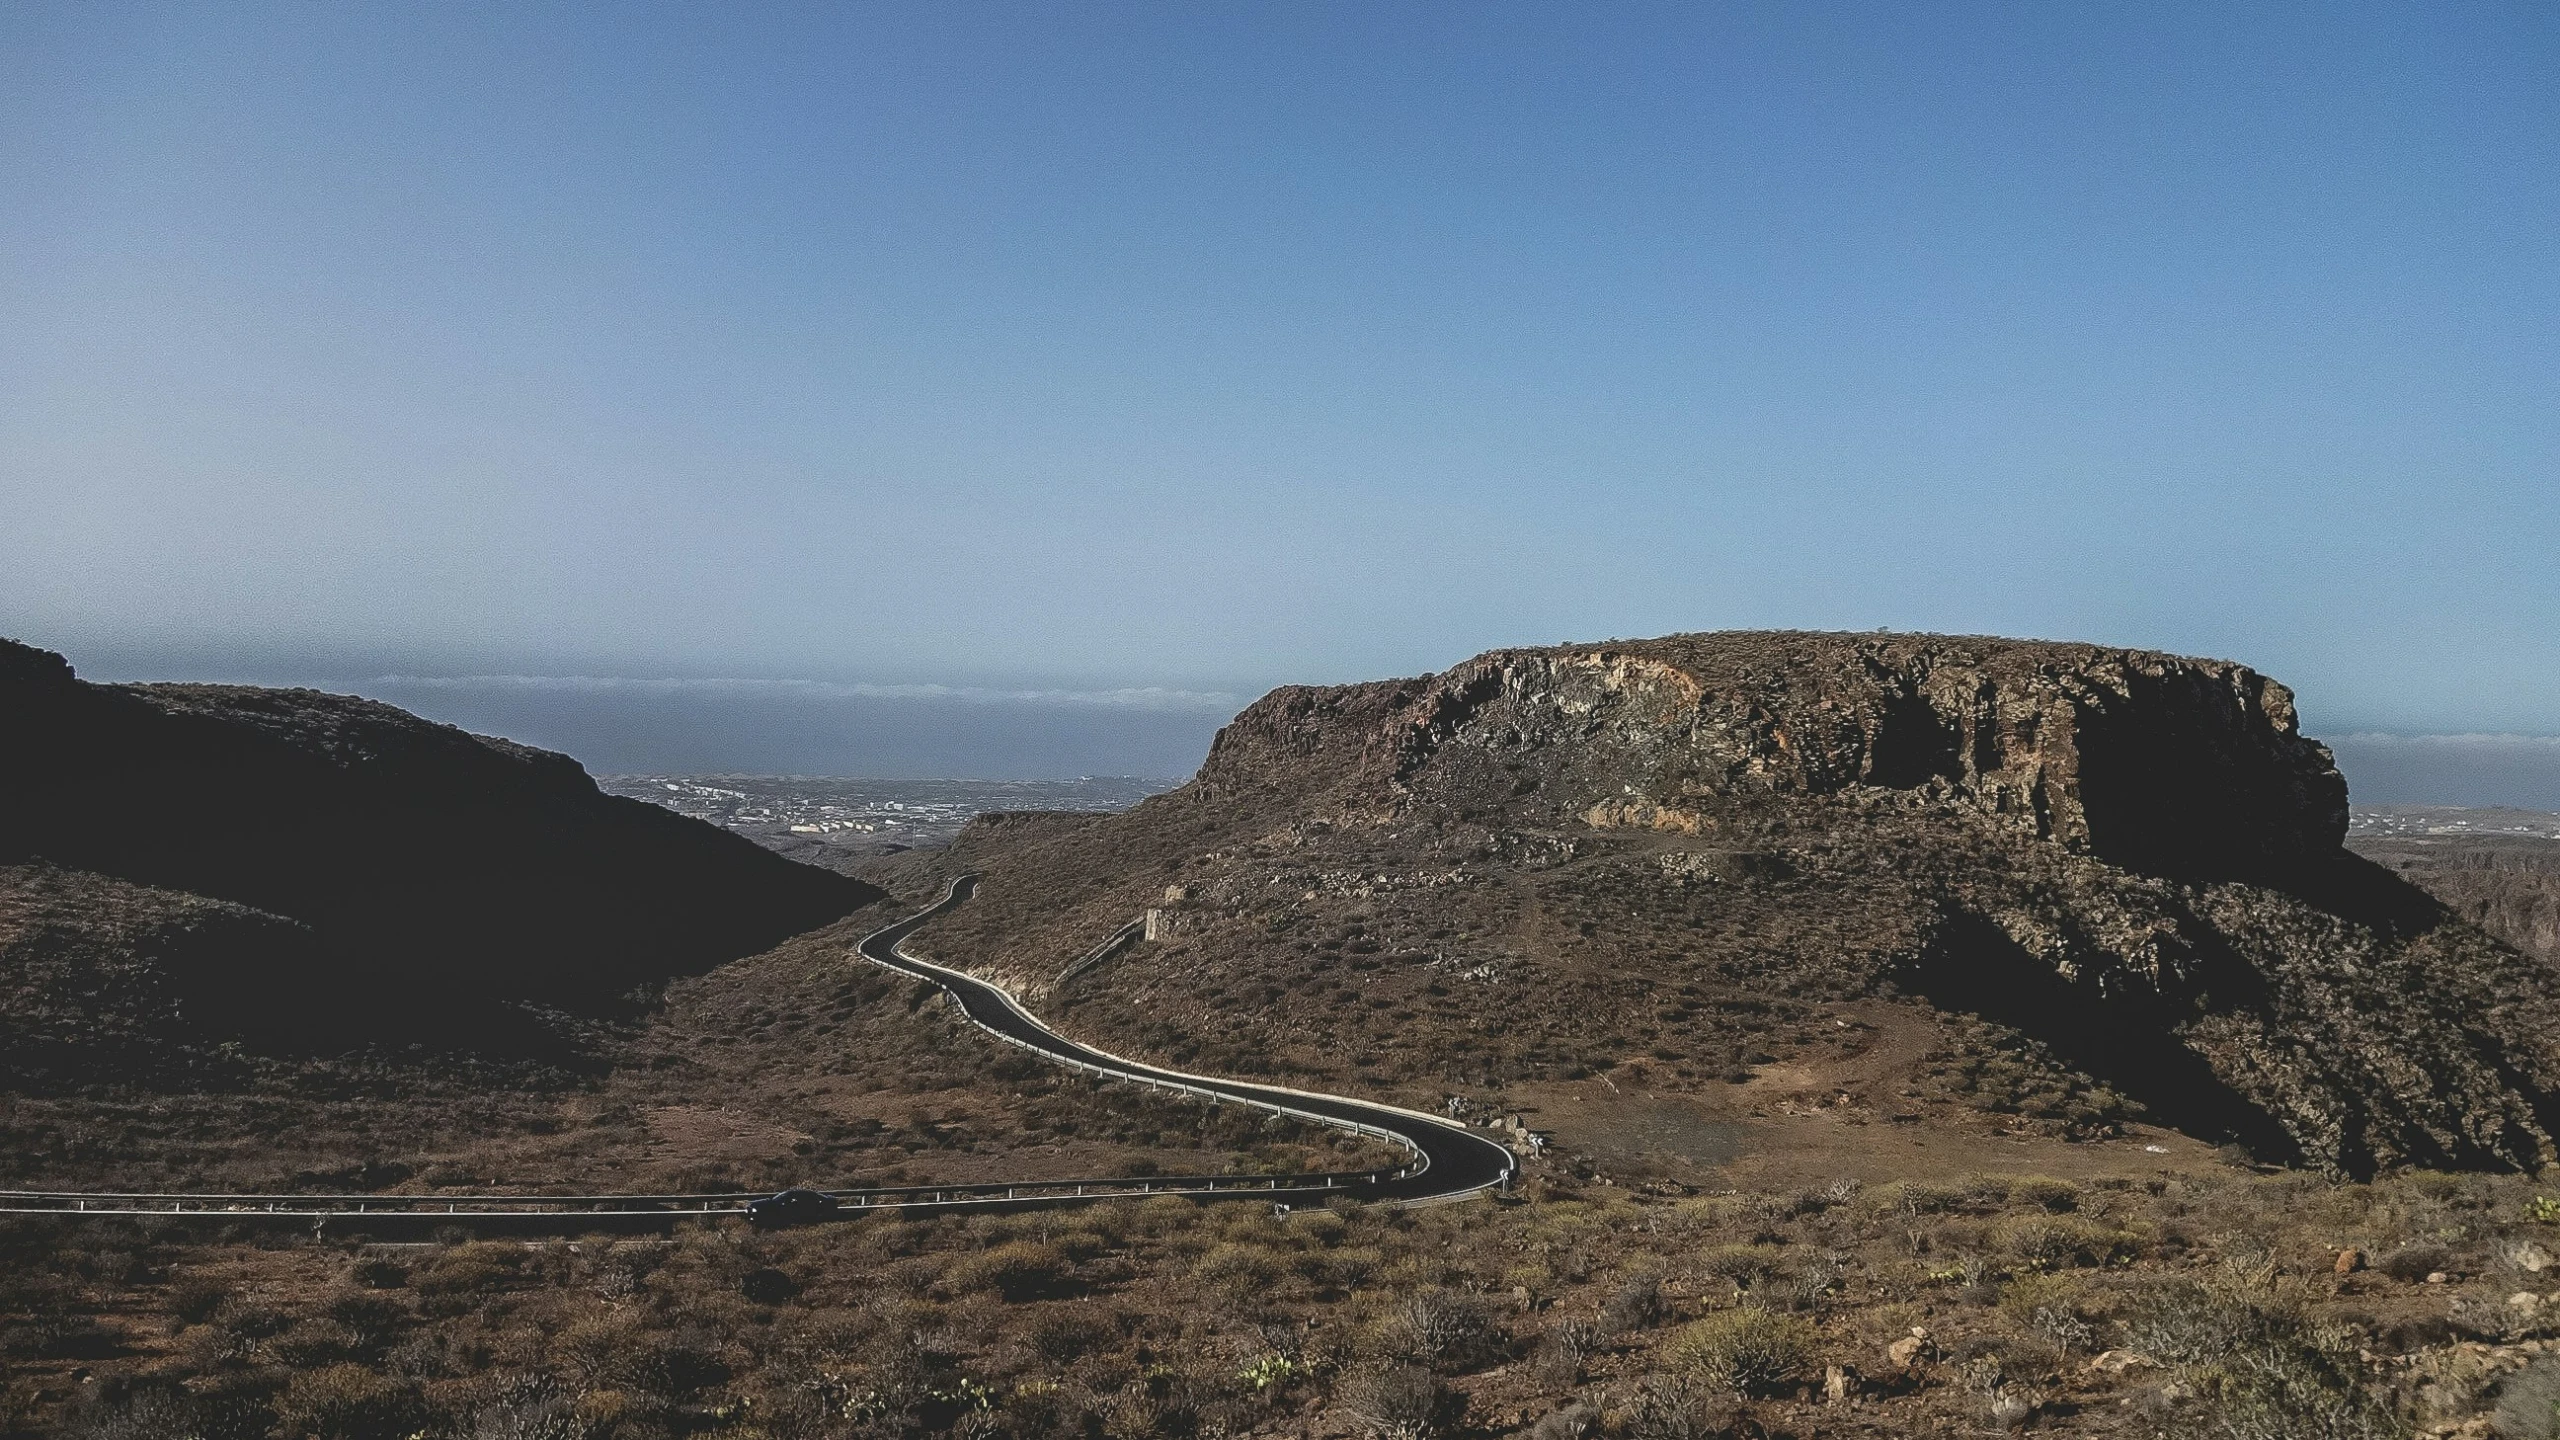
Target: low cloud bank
[2518, 770]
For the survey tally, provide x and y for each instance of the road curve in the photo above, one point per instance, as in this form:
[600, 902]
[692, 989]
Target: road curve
[1451, 1161]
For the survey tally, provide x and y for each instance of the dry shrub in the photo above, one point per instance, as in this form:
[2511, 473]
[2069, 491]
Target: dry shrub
[1634, 1305]
[1399, 1402]
[1339, 1269]
[1443, 1330]
[1562, 1352]
[1238, 1270]
[532, 1407]
[154, 1413]
[1803, 1286]
[193, 1300]
[2060, 1242]
[1746, 1351]
[2261, 1369]
[2045, 1193]
[1018, 1271]
[471, 1269]
[312, 1343]
[766, 1285]
[379, 1274]
[1081, 1245]
[371, 1323]
[1744, 1265]
[1062, 1337]
[348, 1402]
[2054, 1309]
[1679, 1407]
[1916, 1198]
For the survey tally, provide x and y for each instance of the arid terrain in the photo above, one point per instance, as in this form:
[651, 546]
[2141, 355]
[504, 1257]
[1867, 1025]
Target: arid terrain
[2498, 869]
[1902, 1036]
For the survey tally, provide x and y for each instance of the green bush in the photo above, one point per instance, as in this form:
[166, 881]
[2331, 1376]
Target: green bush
[1749, 1351]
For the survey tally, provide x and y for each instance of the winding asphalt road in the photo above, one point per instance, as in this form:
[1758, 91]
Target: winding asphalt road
[1450, 1162]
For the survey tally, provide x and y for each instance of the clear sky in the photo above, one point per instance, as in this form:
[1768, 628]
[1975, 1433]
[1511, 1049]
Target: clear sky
[1200, 348]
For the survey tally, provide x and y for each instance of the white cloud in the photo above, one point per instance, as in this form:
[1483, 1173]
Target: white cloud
[2520, 745]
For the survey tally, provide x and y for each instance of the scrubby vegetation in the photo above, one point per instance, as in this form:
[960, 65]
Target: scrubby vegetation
[797, 1066]
[2210, 1303]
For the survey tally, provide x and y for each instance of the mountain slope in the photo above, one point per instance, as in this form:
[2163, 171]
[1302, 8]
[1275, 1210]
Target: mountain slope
[405, 873]
[1690, 853]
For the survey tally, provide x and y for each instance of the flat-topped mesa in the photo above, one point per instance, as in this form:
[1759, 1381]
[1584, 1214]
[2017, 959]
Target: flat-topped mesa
[2150, 760]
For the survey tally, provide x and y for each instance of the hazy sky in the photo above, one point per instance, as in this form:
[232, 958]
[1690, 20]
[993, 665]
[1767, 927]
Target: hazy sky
[1107, 347]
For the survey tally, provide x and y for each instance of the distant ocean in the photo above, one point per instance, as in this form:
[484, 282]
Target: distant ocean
[2518, 770]
[698, 728]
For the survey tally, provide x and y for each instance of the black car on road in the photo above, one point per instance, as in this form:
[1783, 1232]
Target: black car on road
[791, 1207]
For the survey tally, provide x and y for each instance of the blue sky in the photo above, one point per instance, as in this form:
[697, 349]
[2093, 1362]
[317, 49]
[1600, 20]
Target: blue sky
[1199, 349]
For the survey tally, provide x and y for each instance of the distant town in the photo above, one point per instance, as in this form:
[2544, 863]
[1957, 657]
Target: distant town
[825, 820]
[2378, 820]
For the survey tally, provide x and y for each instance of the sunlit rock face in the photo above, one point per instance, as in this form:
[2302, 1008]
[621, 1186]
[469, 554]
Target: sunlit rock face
[2152, 760]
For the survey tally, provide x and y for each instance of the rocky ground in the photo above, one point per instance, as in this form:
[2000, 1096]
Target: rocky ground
[2130, 1295]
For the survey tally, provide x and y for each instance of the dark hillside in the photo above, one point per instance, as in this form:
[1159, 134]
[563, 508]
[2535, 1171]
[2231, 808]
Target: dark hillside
[416, 868]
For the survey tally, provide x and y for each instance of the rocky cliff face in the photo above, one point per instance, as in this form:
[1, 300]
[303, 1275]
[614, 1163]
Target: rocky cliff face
[2131, 858]
[2148, 759]
[425, 871]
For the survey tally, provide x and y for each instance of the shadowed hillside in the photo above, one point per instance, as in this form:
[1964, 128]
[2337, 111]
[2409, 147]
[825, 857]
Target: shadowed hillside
[198, 858]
